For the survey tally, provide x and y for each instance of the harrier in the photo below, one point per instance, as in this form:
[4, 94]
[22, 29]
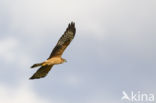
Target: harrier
[55, 56]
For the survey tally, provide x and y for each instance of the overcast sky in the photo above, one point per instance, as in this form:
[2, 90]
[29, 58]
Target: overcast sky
[114, 50]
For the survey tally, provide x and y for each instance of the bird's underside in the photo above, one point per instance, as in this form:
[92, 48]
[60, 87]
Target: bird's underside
[50, 61]
[55, 56]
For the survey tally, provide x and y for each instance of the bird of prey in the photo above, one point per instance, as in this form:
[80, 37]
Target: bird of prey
[55, 56]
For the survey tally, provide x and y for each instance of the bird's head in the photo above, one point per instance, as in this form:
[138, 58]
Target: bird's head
[64, 60]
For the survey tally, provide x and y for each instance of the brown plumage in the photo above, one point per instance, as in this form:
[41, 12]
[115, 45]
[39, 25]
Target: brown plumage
[55, 56]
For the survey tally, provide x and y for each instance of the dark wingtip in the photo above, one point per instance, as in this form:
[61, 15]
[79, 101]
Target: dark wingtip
[36, 77]
[72, 23]
[71, 26]
[33, 77]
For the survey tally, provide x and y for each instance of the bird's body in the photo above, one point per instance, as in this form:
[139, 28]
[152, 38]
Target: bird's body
[54, 60]
[55, 56]
[51, 61]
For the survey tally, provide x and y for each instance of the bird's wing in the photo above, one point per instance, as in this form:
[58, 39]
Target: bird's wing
[64, 41]
[41, 72]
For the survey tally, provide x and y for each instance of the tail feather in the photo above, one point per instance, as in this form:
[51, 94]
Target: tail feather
[36, 65]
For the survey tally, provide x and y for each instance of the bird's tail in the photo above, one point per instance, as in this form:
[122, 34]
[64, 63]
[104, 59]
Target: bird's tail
[36, 65]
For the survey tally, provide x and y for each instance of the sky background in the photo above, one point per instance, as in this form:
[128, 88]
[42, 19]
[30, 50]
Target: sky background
[114, 50]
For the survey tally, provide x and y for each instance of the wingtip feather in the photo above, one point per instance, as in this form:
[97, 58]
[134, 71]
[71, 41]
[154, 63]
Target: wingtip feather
[31, 78]
[72, 23]
[71, 26]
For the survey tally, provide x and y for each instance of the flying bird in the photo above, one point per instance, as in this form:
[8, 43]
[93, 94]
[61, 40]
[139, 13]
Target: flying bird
[55, 56]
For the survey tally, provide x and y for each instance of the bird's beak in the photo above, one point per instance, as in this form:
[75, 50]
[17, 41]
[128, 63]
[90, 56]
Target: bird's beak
[65, 60]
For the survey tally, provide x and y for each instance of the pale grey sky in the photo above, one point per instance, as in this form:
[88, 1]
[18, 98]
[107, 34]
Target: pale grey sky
[113, 50]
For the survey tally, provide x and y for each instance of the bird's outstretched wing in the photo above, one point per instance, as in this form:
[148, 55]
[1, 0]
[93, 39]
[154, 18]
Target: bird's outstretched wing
[61, 45]
[64, 41]
[41, 72]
